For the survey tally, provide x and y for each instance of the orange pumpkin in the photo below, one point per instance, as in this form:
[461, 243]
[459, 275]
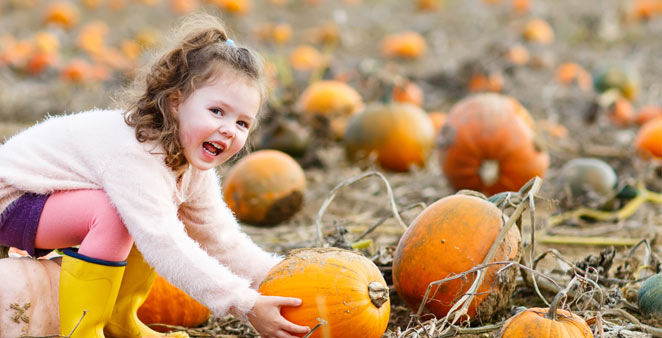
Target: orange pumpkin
[340, 287]
[538, 31]
[438, 119]
[29, 297]
[487, 145]
[538, 322]
[570, 72]
[398, 135]
[404, 45]
[408, 92]
[332, 100]
[621, 112]
[306, 58]
[265, 187]
[649, 139]
[647, 113]
[449, 237]
[167, 304]
[62, 13]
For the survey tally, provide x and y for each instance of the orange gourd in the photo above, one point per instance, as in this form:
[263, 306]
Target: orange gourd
[341, 287]
[404, 45]
[265, 187]
[570, 72]
[408, 92]
[647, 113]
[332, 100]
[167, 304]
[29, 297]
[449, 237]
[621, 112]
[438, 119]
[487, 144]
[306, 58]
[62, 13]
[539, 322]
[538, 31]
[398, 135]
[648, 141]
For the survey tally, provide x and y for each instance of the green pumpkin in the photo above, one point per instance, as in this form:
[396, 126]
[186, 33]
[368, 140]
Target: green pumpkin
[589, 178]
[649, 297]
[624, 79]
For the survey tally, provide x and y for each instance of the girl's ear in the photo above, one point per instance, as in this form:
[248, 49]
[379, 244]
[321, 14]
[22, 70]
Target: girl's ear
[175, 100]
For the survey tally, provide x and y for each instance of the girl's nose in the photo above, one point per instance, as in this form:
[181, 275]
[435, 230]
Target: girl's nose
[226, 131]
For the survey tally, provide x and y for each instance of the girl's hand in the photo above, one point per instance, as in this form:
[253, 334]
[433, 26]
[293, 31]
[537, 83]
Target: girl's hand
[269, 323]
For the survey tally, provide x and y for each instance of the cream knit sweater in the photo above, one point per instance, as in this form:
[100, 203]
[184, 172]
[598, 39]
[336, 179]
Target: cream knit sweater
[187, 232]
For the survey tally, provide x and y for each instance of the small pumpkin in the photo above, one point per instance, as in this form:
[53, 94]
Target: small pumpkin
[62, 13]
[649, 297]
[449, 237]
[307, 58]
[487, 144]
[541, 322]
[621, 112]
[538, 31]
[288, 136]
[408, 92]
[622, 78]
[588, 179]
[167, 304]
[570, 72]
[331, 100]
[341, 287]
[398, 135]
[265, 187]
[648, 141]
[29, 297]
[405, 45]
[647, 113]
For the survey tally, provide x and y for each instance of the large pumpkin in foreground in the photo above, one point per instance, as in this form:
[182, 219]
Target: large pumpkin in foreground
[341, 287]
[167, 304]
[538, 322]
[29, 297]
[398, 135]
[265, 187]
[449, 237]
[487, 144]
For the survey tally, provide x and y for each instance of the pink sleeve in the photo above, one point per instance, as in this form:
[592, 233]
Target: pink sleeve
[211, 223]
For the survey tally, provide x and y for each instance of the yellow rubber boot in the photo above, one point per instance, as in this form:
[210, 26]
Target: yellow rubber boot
[137, 281]
[87, 292]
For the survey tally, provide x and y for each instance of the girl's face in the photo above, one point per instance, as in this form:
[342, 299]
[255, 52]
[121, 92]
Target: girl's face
[215, 119]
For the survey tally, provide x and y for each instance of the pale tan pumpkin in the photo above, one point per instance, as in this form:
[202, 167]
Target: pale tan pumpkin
[29, 297]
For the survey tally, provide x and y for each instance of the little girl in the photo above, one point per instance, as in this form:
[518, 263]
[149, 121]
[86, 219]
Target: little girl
[136, 190]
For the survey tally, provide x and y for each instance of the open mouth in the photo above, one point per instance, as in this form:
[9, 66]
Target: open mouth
[212, 148]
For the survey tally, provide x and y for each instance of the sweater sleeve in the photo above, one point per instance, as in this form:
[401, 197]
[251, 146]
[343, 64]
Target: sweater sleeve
[142, 192]
[211, 223]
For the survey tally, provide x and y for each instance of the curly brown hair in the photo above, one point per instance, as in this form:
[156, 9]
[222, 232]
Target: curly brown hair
[201, 53]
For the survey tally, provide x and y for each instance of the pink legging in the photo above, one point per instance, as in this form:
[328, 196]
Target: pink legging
[84, 217]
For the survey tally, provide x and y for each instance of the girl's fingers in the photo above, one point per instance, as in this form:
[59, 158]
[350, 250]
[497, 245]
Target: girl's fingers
[290, 301]
[291, 327]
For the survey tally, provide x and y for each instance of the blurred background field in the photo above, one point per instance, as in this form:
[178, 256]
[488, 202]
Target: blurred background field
[64, 56]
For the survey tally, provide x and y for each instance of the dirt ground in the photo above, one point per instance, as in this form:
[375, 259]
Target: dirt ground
[463, 37]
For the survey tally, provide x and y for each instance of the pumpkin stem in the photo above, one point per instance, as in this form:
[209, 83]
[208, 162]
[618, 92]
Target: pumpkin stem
[489, 172]
[378, 293]
[551, 313]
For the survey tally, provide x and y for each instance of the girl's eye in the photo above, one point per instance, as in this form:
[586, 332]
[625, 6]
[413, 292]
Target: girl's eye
[216, 111]
[243, 124]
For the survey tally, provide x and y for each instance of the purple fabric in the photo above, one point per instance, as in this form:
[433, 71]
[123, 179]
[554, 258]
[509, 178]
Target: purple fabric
[19, 221]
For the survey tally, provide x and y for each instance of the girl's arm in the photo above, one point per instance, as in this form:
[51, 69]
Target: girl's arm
[211, 223]
[142, 191]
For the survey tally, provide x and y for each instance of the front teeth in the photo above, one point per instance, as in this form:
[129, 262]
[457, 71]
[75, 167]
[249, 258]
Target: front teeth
[217, 146]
